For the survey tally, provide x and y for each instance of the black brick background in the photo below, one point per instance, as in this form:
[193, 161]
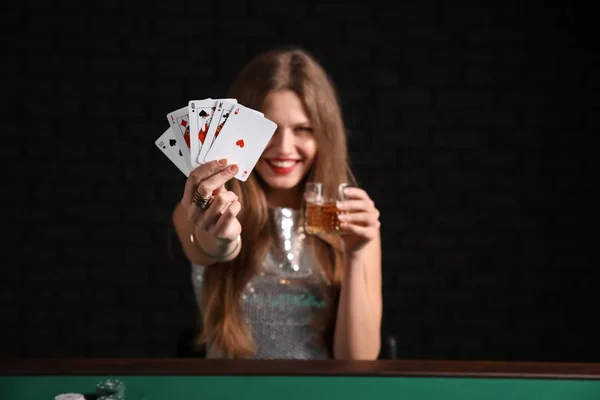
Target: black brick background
[472, 127]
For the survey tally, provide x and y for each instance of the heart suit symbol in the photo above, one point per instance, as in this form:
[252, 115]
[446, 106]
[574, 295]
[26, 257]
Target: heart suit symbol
[240, 143]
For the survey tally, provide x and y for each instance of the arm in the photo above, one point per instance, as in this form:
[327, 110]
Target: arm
[214, 226]
[210, 244]
[357, 330]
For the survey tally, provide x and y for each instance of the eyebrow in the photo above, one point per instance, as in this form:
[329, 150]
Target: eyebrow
[299, 124]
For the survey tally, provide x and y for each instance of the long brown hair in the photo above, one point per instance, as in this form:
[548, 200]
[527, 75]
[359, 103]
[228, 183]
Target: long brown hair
[280, 69]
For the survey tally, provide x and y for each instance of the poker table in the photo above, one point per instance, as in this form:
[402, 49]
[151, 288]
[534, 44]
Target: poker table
[189, 378]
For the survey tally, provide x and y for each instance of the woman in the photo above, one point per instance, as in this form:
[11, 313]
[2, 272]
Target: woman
[265, 288]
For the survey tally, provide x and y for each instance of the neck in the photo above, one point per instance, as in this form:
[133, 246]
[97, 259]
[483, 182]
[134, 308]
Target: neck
[288, 198]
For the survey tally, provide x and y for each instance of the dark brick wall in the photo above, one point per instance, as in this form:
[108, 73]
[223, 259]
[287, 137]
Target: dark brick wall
[471, 125]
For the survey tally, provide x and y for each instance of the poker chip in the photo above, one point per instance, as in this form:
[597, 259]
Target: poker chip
[110, 397]
[110, 389]
[69, 396]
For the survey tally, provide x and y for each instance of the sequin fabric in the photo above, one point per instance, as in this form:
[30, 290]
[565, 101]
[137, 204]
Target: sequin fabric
[280, 302]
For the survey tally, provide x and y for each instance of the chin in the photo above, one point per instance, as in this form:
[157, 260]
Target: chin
[281, 183]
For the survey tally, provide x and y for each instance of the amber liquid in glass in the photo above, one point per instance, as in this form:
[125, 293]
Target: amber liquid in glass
[322, 217]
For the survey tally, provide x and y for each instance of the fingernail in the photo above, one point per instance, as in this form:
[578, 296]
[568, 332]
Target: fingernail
[222, 161]
[233, 168]
[339, 205]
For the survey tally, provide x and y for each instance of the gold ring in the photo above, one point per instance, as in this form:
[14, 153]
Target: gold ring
[200, 200]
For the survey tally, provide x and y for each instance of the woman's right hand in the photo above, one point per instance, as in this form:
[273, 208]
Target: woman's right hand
[219, 216]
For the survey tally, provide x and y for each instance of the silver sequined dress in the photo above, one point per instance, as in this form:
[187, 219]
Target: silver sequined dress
[280, 302]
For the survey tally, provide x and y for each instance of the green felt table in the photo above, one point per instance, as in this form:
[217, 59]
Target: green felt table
[179, 379]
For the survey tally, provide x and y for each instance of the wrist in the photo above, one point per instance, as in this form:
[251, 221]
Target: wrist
[352, 259]
[208, 245]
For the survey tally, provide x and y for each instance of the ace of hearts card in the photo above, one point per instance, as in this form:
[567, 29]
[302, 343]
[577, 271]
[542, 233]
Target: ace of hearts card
[242, 140]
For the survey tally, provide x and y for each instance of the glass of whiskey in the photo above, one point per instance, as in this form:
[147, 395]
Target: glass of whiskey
[321, 212]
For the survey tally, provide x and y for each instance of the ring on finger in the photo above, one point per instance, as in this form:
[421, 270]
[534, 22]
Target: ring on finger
[200, 200]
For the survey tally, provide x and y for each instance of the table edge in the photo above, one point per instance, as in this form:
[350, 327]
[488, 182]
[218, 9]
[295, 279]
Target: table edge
[383, 368]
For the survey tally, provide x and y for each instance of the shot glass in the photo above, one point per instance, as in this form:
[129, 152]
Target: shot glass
[321, 212]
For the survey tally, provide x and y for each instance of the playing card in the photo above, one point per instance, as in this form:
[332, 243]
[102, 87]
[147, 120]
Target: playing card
[242, 140]
[220, 115]
[201, 113]
[179, 121]
[167, 143]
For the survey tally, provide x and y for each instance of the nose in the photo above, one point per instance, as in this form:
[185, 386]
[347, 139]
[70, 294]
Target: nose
[283, 140]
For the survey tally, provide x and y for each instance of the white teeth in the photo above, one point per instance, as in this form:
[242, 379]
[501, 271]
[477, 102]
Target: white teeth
[282, 164]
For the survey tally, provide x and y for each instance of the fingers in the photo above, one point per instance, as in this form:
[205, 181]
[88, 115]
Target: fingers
[356, 199]
[210, 168]
[356, 205]
[199, 174]
[206, 179]
[351, 192]
[206, 218]
[361, 218]
[358, 211]
[218, 190]
[225, 220]
[216, 181]
[362, 231]
[220, 202]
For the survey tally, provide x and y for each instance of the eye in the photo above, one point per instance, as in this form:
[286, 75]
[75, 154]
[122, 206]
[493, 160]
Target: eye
[304, 129]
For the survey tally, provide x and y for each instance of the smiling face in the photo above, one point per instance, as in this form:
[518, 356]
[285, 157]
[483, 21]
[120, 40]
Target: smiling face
[293, 148]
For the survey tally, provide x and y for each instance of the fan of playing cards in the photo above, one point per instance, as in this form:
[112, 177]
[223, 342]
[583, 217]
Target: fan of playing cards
[211, 129]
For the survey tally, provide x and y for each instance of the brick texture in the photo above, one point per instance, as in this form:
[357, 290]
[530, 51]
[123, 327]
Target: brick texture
[471, 126]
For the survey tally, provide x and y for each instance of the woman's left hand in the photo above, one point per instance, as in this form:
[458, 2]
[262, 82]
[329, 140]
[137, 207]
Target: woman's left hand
[359, 219]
